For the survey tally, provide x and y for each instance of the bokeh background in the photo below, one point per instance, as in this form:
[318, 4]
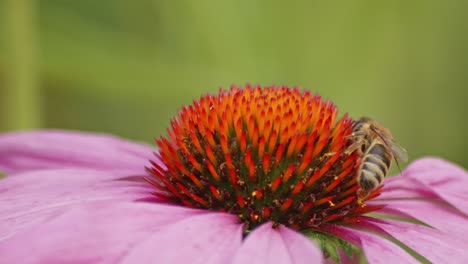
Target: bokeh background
[125, 67]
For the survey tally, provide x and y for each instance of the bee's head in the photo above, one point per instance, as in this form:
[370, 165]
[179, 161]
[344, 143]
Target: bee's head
[362, 123]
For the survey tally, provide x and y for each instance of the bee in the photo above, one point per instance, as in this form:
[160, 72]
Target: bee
[376, 146]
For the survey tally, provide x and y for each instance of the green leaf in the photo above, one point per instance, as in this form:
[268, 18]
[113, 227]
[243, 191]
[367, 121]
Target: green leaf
[330, 244]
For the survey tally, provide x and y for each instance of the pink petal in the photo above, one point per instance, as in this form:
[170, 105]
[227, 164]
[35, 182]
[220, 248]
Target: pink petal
[437, 215]
[430, 164]
[377, 249]
[429, 178]
[443, 178]
[25, 198]
[48, 149]
[402, 187]
[41, 202]
[434, 245]
[93, 232]
[206, 238]
[267, 245]
[299, 247]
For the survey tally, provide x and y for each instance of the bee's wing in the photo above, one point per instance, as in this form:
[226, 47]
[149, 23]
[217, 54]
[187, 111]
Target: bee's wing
[399, 152]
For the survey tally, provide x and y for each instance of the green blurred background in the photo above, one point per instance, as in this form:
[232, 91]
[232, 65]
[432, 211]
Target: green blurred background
[125, 67]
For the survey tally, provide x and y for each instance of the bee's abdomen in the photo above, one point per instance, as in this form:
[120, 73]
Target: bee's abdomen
[374, 166]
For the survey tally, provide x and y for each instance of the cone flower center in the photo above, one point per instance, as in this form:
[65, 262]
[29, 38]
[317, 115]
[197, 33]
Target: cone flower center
[264, 154]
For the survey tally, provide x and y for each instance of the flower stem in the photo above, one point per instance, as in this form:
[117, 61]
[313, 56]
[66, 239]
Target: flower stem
[20, 100]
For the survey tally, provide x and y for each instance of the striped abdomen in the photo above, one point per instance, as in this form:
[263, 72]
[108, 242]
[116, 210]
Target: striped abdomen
[374, 166]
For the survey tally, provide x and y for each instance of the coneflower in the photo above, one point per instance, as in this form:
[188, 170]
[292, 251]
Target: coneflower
[249, 175]
[272, 154]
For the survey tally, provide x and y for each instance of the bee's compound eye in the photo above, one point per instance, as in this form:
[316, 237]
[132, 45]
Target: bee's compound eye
[357, 125]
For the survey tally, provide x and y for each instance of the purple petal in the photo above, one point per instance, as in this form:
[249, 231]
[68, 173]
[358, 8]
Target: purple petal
[437, 215]
[376, 249]
[25, 151]
[402, 187]
[433, 244]
[267, 245]
[93, 232]
[82, 204]
[206, 238]
[430, 178]
[48, 192]
[443, 178]
[301, 250]
[431, 163]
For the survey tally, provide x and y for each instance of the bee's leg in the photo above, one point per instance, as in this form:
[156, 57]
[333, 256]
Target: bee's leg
[356, 145]
[361, 195]
[358, 142]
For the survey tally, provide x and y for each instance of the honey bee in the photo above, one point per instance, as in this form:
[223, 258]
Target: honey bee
[376, 146]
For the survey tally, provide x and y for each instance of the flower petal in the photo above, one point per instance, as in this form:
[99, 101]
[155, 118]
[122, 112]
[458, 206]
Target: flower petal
[24, 198]
[443, 178]
[417, 194]
[402, 187]
[431, 164]
[206, 238]
[433, 244]
[49, 149]
[95, 232]
[301, 250]
[376, 249]
[429, 178]
[437, 215]
[267, 245]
